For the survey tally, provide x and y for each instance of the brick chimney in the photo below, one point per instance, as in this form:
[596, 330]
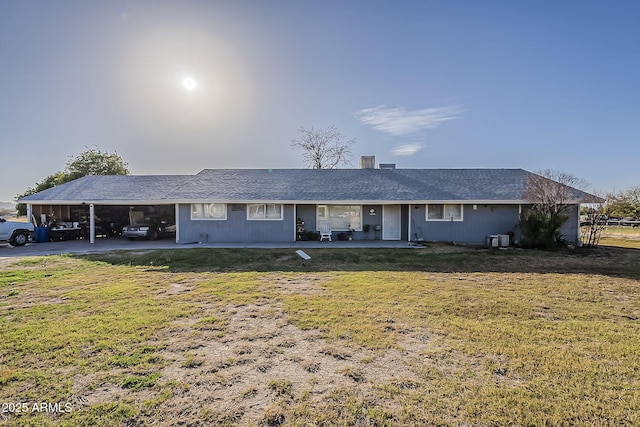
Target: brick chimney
[367, 162]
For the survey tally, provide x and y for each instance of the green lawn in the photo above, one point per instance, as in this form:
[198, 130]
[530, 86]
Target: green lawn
[625, 237]
[443, 335]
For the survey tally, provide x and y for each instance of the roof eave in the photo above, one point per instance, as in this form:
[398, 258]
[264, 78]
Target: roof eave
[287, 202]
[97, 202]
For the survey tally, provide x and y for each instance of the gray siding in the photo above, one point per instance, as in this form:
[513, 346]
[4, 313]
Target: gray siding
[371, 219]
[571, 229]
[476, 224]
[307, 213]
[236, 228]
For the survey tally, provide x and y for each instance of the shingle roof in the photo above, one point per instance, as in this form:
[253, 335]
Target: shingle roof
[98, 188]
[357, 184]
[296, 185]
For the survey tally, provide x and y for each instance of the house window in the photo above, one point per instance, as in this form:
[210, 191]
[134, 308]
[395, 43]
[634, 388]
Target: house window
[341, 217]
[444, 212]
[268, 211]
[209, 211]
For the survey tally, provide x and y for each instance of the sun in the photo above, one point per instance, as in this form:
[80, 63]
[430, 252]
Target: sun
[189, 83]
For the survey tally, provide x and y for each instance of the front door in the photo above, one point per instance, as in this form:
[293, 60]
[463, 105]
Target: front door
[391, 222]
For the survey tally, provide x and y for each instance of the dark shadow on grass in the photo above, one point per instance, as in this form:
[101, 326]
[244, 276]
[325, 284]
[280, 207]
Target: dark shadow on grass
[609, 261]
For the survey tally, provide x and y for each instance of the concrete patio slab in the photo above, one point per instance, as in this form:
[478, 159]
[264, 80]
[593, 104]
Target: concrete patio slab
[116, 243]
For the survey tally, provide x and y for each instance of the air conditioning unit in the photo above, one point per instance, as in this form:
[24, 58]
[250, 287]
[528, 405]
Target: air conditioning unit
[492, 241]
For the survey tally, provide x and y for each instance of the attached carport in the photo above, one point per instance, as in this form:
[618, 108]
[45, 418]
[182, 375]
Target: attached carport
[91, 220]
[79, 201]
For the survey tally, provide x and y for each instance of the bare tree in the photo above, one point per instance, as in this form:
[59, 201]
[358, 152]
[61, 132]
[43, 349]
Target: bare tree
[593, 221]
[324, 148]
[550, 192]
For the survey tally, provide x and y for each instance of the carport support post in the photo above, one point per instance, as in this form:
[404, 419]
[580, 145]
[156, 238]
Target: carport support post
[92, 224]
[30, 215]
[177, 223]
[409, 224]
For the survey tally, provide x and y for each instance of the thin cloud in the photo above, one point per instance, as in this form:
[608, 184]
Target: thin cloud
[406, 149]
[399, 121]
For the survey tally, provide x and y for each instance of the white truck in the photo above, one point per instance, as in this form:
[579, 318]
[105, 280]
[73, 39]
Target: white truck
[14, 232]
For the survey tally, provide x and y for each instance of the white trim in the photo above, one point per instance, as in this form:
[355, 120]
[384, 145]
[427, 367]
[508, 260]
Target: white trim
[450, 219]
[265, 212]
[283, 202]
[328, 217]
[295, 223]
[177, 219]
[408, 223]
[92, 223]
[207, 218]
[106, 202]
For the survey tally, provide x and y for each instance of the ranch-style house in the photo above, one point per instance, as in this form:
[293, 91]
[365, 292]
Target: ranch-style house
[284, 205]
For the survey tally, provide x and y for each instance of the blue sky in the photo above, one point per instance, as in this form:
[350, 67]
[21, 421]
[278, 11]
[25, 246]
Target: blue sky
[423, 84]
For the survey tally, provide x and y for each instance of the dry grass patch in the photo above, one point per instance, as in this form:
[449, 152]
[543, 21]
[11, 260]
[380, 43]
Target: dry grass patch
[528, 339]
[621, 236]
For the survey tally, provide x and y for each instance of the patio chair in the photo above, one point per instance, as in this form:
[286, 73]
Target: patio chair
[325, 230]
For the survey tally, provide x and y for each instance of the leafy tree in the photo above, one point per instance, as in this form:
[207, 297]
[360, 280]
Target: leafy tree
[550, 193]
[625, 204]
[95, 162]
[92, 161]
[324, 148]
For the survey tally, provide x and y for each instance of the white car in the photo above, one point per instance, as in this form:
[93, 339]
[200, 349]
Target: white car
[14, 232]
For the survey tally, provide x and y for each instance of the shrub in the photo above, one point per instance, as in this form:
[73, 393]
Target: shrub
[542, 231]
